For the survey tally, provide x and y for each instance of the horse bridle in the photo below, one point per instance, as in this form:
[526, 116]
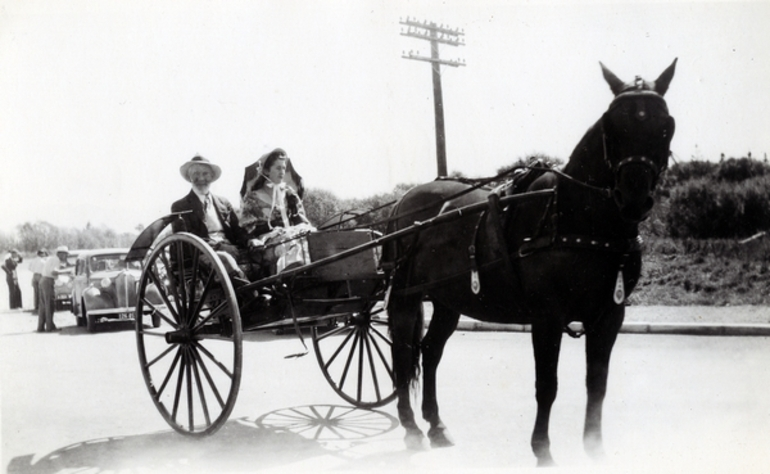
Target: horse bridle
[615, 169]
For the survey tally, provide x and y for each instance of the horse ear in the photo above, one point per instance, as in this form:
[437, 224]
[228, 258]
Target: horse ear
[616, 85]
[662, 82]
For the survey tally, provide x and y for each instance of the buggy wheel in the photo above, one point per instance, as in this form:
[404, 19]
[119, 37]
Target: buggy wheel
[355, 358]
[192, 362]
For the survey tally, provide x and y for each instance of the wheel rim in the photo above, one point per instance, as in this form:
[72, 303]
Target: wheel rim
[355, 358]
[192, 363]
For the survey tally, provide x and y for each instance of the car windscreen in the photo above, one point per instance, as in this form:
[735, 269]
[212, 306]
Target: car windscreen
[115, 262]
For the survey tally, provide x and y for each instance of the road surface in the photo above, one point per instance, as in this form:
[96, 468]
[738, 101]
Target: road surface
[76, 402]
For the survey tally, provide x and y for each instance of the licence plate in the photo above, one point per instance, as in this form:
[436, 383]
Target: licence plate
[126, 315]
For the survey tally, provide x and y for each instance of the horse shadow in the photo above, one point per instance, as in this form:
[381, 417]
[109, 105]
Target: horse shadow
[272, 440]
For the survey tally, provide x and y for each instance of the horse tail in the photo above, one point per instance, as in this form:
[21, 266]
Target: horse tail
[405, 315]
[406, 312]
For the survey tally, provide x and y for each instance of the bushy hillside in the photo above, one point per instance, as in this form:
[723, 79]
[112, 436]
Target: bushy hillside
[704, 272]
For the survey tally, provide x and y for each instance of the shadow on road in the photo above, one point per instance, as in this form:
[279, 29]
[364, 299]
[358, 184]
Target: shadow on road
[274, 439]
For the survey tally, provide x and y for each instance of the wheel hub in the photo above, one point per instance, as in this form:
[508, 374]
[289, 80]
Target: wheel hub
[182, 336]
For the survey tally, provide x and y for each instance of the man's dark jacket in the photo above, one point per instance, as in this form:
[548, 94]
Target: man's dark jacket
[195, 222]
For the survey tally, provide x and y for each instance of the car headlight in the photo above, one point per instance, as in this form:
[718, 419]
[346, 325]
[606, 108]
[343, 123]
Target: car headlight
[105, 283]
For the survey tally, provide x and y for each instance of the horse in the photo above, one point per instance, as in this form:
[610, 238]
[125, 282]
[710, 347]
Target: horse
[571, 254]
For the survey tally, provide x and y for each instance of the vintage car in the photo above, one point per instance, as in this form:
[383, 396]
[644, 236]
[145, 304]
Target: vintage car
[104, 287]
[63, 284]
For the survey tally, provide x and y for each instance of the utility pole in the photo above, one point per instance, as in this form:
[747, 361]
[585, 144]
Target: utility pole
[435, 34]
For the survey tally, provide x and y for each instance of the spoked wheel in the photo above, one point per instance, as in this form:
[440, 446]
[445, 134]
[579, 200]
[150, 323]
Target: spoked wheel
[355, 358]
[192, 362]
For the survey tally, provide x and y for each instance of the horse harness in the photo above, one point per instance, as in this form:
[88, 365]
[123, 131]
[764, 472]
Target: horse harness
[497, 220]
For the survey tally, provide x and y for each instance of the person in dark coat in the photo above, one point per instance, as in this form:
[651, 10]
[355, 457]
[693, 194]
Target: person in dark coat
[12, 278]
[213, 218]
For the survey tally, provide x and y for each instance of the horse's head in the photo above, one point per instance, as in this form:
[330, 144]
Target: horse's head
[637, 131]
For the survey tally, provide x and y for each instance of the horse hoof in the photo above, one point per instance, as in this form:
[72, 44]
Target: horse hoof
[440, 438]
[594, 448]
[415, 441]
[545, 461]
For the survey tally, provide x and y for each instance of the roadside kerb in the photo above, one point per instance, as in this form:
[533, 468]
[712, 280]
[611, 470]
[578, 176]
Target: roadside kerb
[697, 329]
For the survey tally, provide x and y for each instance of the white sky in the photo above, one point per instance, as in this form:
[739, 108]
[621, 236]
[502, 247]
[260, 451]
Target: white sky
[101, 102]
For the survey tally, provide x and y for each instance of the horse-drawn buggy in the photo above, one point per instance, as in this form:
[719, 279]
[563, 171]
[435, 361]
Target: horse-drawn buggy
[546, 247]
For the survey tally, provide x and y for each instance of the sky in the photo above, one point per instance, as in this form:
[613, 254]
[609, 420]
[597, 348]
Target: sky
[102, 102]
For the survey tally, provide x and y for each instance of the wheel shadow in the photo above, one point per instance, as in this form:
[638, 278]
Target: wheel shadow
[275, 439]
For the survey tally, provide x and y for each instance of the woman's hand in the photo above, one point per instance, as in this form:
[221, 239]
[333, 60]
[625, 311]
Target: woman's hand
[256, 243]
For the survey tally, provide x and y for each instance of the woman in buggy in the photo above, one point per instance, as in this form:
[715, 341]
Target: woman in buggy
[272, 213]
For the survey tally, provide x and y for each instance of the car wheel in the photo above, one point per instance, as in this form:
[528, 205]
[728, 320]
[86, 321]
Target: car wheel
[90, 319]
[90, 323]
[80, 314]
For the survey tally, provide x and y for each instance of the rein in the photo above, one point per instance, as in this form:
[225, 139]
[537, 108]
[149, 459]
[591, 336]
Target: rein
[478, 184]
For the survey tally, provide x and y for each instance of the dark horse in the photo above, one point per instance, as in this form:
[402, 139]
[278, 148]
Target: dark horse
[568, 255]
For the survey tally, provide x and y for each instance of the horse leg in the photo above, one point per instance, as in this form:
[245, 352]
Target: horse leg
[406, 323]
[600, 338]
[442, 325]
[546, 341]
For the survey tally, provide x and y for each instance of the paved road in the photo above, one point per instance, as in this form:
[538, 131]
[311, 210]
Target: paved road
[76, 402]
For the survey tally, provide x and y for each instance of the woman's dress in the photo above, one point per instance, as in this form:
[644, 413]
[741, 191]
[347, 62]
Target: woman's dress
[274, 215]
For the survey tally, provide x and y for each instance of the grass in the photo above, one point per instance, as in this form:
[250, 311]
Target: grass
[678, 272]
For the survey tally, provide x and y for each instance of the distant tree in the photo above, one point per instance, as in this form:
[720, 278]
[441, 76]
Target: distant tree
[321, 205]
[8, 241]
[520, 162]
[37, 235]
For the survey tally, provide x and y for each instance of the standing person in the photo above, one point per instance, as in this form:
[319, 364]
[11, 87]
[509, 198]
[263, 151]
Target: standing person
[12, 278]
[36, 267]
[212, 218]
[273, 215]
[50, 270]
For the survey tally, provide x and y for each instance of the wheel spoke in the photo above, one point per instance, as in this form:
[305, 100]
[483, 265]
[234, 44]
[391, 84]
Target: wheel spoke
[381, 354]
[332, 332]
[371, 366]
[204, 294]
[162, 292]
[190, 404]
[170, 373]
[206, 373]
[212, 314]
[194, 273]
[178, 392]
[182, 288]
[350, 358]
[381, 335]
[155, 310]
[201, 394]
[213, 359]
[339, 349]
[172, 281]
[361, 338]
[160, 356]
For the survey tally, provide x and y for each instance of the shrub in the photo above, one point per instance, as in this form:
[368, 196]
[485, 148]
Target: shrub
[712, 200]
[704, 209]
[741, 169]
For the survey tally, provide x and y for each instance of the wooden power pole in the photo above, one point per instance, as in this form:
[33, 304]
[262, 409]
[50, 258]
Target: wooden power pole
[435, 34]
